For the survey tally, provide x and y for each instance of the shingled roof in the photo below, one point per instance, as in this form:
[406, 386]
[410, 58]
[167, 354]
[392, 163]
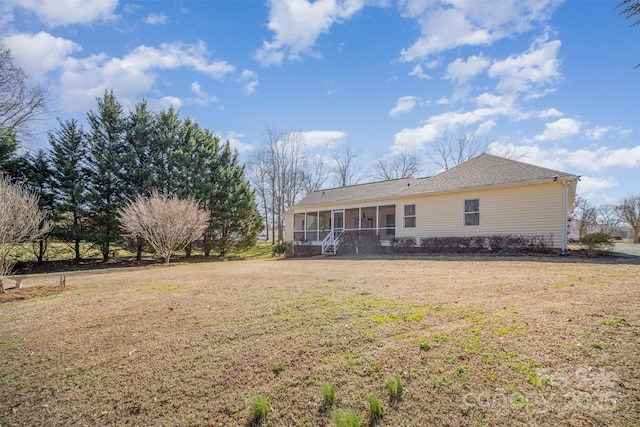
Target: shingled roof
[486, 170]
[369, 191]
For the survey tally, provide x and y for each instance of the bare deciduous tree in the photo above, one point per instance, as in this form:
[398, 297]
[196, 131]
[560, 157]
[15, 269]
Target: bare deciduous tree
[20, 101]
[630, 9]
[314, 174]
[630, 213]
[586, 216]
[401, 165]
[345, 168]
[21, 220]
[278, 175]
[608, 217]
[167, 224]
[452, 149]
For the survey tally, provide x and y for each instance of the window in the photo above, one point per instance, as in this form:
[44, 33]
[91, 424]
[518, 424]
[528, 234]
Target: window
[472, 212]
[409, 216]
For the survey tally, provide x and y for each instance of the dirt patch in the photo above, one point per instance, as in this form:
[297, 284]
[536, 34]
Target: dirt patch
[474, 342]
[14, 294]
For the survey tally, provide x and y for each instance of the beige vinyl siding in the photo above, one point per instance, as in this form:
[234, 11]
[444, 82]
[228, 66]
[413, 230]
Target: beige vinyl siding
[288, 227]
[530, 209]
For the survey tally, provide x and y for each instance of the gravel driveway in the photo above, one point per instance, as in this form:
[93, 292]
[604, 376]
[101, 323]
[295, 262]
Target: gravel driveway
[627, 248]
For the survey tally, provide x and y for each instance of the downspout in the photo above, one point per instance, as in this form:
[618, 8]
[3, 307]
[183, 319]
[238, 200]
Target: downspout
[565, 196]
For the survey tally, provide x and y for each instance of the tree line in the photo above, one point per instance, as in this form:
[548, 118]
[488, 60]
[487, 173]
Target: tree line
[87, 177]
[606, 218]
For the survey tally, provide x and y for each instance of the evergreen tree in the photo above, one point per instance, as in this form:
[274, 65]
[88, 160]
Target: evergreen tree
[206, 160]
[138, 155]
[9, 163]
[235, 220]
[39, 180]
[138, 158]
[69, 183]
[107, 186]
[165, 153]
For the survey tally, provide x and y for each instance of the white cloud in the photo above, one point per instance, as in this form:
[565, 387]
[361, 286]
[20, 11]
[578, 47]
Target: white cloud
[593, 159]
[607, 158]
[203, 98]
[55, 13]
[597, 132]
[435, 126]
[449, 24]
[235, 142]
[83, 80]
[404, 105]
[413, 139]
[533, 70]
[560, 129]
[417, 71]
[39, 53]
[156, 19]
[461, 72]
[549, 113]
[161, 104]
[323, 138]
[589, 185]
[250, 80]
[297, 24]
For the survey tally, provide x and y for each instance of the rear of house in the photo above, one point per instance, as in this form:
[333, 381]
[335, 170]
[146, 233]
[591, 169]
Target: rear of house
[486, 196]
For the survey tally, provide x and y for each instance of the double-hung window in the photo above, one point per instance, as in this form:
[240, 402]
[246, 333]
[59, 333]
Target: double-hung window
[472, 212]
[409, 216]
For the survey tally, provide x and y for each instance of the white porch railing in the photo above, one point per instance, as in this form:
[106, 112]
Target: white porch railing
[331, 242]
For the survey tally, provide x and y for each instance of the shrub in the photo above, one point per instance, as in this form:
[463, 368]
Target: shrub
[494, 243]
[597, 243]
[167, 224]
[403, 245]
[258, 409]
[346, 418]
[328, 395]
[282, 248]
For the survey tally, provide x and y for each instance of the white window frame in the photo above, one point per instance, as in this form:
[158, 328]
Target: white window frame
[414, 216]
[465, 212]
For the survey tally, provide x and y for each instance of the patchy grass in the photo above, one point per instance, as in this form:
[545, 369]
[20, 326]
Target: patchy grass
[258, 409]
[346, 417]
[614, 321]
[329, 395]
[188, 344]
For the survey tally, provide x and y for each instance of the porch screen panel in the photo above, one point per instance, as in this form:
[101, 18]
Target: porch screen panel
[324, 221]
[369, 218]
[387, 221]
[351, 219]
[298, 227]
[312, 226]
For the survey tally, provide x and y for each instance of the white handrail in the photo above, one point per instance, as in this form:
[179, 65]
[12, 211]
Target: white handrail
[327, 241]
[337, 241]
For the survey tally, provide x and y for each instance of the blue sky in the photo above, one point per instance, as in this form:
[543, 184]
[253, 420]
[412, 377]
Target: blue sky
[553, 81]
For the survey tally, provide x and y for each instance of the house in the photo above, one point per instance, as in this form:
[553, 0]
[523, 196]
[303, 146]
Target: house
[485, 196]
[620, 232]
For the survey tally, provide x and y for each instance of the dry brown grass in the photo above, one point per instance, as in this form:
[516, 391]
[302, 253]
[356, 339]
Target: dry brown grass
[474, 342]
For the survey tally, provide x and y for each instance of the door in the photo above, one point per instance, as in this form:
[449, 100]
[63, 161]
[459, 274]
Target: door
[337, 221]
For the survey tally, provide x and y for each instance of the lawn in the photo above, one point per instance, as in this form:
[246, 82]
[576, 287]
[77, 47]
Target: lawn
[540, 341]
